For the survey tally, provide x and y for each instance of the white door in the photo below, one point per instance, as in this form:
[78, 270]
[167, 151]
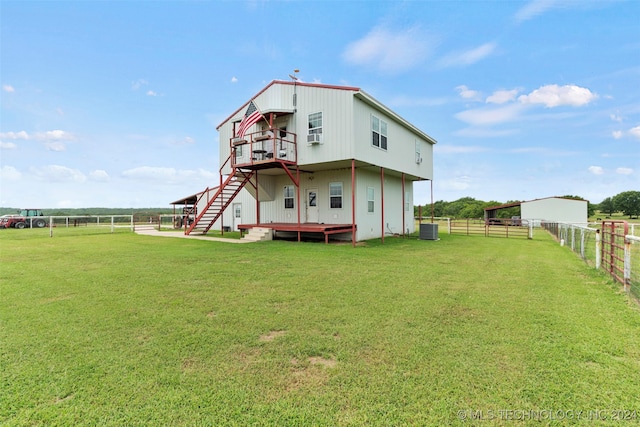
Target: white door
[237, 215]
[312, 205]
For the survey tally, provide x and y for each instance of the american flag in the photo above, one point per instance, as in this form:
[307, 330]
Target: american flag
[251, 117]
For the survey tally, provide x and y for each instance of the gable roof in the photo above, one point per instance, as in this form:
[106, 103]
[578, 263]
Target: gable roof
[358, 93]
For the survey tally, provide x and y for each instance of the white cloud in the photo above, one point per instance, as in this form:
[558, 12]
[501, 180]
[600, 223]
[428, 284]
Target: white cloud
[166, 175]
[9, 173]
[624, 171]
[553, 96]
[388, 50]
[533, 9]
[596, 170]
[481, 132]
[617, 134]
[460, 149]
[57, 173]
[7, 145]
[467, 93]
[616, 118]
[234, 79]
[8, 88]
[635, 132]
[187, 140]
[138, 84]
[502, 96]
[55, 146]
[489, 116]
[151, 93]
[14, 135]
[99, 175]
[54, 135]
[468, 57]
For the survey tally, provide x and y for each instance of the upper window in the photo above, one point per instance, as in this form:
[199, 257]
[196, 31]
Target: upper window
[315, 123]
[335, 195]
[288, 197]
[378, 133]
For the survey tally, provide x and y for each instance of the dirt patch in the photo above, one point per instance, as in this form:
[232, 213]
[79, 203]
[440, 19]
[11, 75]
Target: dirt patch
[272, 336]
[211, 315]
[58, 298]
[316, 360]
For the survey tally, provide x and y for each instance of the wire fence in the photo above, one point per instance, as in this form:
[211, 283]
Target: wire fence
[613, 246]
[76, 225]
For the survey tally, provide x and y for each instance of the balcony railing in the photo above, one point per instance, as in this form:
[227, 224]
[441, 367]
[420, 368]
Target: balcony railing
[264, 147]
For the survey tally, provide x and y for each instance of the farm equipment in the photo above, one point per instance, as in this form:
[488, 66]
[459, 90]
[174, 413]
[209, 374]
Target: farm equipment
[27, 218]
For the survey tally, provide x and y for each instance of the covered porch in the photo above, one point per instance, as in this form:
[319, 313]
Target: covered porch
[310, 228]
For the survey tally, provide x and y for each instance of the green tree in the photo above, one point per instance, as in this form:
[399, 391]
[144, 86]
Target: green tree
[607, 206]
[628, 202]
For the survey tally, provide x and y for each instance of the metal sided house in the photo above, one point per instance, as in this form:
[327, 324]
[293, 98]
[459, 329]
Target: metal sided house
[316, 158]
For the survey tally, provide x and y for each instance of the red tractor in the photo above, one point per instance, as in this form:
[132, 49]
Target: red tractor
[33, 218]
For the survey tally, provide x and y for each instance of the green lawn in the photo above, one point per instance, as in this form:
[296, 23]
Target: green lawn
[121, 329]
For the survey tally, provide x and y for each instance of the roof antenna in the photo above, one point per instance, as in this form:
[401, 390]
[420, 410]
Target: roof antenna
[294, 77]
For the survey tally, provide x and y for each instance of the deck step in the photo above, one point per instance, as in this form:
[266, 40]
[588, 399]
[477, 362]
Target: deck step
[257, 234]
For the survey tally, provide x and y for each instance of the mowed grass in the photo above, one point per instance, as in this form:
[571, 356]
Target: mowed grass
[135, 330]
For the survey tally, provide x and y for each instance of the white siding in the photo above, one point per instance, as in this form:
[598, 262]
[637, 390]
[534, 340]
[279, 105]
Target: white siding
[555, 209]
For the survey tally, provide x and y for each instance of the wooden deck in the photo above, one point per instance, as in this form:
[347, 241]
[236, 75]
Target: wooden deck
[315, 228]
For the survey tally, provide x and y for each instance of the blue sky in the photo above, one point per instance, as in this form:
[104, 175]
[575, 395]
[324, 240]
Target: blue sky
[116, 103]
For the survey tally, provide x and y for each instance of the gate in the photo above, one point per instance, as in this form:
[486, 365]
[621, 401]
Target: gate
[613, 242]
[494, 227]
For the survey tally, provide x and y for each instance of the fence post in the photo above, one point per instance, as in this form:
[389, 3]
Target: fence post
[50, 226]
[598, 252]
[582, 233]
[112, 227]
[627, 264]
[530, 230]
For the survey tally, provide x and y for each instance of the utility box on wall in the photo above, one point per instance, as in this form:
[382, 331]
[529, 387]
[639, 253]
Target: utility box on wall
[428, 231]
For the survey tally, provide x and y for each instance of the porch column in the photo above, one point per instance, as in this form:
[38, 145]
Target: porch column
[257, 201]
[382, 201]
[403, 203]
[353, 202]
[298, 201]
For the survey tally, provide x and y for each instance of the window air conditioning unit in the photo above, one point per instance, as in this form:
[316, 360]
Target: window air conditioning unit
[314, 138]
[418, 160]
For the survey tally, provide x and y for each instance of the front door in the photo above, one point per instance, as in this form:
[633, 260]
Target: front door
[312, 205]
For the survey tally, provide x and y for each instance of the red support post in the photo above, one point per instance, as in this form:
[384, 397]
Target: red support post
[382, 200]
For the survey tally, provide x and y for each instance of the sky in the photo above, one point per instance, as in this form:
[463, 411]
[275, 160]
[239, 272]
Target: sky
[116, 103]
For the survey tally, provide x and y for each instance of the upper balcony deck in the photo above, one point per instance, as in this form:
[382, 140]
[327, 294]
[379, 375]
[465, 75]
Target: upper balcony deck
[264, 149]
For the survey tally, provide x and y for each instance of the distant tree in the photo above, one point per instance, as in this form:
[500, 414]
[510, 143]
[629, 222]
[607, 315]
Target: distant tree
[607, 206]
[628, 202]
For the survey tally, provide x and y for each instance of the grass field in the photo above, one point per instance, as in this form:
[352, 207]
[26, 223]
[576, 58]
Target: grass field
[122, 329]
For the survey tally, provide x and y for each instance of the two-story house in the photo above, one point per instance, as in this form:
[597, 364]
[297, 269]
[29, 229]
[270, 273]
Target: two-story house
[315, 158]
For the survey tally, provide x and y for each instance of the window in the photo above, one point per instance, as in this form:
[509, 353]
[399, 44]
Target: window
[370, 199]
[288, 197]
[315, 123]
[378, 133]
[418, 156]
[335, 195]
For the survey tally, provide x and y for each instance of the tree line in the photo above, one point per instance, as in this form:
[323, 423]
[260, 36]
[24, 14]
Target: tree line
[626, 203]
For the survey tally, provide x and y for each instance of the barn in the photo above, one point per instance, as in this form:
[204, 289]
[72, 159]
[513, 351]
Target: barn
[314, 158]
[549, 209]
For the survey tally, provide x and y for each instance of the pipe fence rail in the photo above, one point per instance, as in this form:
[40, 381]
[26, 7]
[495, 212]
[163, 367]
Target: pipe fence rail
[81, 224]
[611, 246]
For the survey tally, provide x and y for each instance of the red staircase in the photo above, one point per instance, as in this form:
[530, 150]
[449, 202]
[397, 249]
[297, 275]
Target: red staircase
[220, 201]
